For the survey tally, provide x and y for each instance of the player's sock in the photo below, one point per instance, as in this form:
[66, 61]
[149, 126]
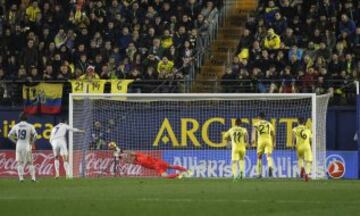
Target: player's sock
[306, 177]
[32, 172]
[57, 165]
[300, 163]
[307, 167]
[302, 172]
[172, 176]
[301, 167]
[259, 167]
[270, 165]
[234, 169]
[20, 169]
[242, 167]
[180, 168]
[66, 168]
[269, 161]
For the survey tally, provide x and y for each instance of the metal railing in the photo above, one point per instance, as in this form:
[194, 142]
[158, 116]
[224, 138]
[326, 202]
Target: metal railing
[344, 91]
[203, 45]
[228, 9]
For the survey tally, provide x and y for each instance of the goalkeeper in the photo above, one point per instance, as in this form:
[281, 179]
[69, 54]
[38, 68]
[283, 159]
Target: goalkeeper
[302, 140]
[160, 166]
[239, 141]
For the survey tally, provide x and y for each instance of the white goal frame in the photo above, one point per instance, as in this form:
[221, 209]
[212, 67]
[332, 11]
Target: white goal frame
[215, 96]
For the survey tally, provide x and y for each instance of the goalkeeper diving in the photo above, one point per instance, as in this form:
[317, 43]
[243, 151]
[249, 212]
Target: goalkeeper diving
[302, 141]
[239, 141]
[146, 161]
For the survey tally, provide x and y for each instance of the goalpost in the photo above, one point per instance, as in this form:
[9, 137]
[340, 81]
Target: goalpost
[187, 130]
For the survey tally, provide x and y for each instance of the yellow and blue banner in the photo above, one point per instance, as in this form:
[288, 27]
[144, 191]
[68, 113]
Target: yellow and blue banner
[120, 86]
[98, 86]
[45, 98]
[82, 86]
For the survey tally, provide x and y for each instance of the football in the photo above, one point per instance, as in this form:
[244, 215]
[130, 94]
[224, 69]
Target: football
[112, 145]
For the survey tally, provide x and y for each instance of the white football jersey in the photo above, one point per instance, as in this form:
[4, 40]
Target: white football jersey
[59, 131]
[24, 132]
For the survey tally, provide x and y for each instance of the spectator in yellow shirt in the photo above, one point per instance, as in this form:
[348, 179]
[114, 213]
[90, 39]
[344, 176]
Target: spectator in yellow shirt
[272, 40]
[32, 12]
[166, 40]
[60, 38]
[165, 66]
[90, 74]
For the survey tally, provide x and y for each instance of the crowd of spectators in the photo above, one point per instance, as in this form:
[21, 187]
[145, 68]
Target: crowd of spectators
[54, 40]
[286, 46]
[298, 46]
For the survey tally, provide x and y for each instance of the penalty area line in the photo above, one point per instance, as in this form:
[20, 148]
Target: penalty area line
[182, 200]
[245, 201]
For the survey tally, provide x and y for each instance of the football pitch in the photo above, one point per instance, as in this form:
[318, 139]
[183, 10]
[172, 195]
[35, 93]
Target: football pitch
[154, 196]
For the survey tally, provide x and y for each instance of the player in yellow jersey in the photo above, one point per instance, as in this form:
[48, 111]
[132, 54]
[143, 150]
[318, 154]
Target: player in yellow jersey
[239, 141]
[302, 141]
[264, 139]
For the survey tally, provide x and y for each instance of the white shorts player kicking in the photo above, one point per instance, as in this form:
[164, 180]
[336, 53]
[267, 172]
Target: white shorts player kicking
[58, 143]
[24, 135]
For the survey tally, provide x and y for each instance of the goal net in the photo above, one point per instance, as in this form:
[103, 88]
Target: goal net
[187, 130]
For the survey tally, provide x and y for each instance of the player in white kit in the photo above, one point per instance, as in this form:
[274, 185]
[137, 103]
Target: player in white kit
[24, 135]
[58, 143]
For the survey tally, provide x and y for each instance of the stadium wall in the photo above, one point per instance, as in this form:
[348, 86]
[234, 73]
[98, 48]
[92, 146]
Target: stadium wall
[342, 157]
[208, 164]
[341, 127]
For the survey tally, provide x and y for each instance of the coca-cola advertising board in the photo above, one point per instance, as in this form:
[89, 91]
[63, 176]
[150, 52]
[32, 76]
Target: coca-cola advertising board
[102, 163]
[43, 161]
[97, 163]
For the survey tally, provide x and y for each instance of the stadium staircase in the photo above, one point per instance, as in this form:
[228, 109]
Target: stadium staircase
[222, 49]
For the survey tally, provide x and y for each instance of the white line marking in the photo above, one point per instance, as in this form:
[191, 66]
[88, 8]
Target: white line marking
[247, 201]
[189, 200]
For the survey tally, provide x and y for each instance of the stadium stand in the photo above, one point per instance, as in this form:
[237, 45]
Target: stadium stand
[297, 46]
[119, 39]
[182, 45]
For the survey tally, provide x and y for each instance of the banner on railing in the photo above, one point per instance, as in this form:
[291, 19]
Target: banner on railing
[120, 86]
[94, 86]
[98, 86]
[43, 98]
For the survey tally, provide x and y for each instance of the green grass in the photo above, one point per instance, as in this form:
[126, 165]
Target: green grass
[137, 196]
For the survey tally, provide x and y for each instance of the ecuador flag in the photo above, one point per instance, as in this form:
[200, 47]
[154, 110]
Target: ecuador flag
[45, 98]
